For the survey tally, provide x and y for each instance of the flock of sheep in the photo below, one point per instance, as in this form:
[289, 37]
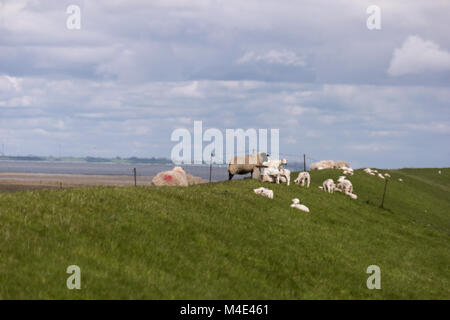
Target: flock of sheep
[273, 171]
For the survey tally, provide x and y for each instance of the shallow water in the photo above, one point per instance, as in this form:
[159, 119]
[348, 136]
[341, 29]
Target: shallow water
[218, 173]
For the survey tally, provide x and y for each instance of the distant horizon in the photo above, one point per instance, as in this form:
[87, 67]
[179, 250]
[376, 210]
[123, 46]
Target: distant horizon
[290, 163]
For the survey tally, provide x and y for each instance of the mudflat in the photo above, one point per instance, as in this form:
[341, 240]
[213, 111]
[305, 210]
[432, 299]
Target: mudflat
[26, 181]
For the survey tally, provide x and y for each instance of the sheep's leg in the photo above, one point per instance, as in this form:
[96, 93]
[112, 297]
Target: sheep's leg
[230, 176]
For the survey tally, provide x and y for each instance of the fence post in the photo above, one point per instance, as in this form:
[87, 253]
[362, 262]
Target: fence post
[384, 193]
[210, 167]
[134, 173]
[304, 162]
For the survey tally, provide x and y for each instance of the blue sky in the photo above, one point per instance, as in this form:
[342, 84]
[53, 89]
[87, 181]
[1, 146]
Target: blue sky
[137, 70]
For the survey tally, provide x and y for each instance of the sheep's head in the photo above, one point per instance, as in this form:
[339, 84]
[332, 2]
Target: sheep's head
[283, 161]
[179, 169]
[295, 201]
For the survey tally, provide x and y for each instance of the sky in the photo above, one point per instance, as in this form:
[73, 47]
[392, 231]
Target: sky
[137, 70]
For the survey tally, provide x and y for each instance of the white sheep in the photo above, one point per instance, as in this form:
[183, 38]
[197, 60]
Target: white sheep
[400, 179]
[275, 172]
[381, 176]
[347, 171]
[369, 171]
[264, 192]
[303, 178]
[328, 185]
[344, 185]
[352, 195]
[387, 175]
[296, 204]
[285, 176]
[275, 163]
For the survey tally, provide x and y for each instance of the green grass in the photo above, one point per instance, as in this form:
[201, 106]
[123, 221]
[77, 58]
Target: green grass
[221, 241]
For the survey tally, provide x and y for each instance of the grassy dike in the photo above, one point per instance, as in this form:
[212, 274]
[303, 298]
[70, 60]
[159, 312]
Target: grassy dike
[221, 241]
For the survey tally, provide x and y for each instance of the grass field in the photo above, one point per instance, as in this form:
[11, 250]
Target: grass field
[221, 241]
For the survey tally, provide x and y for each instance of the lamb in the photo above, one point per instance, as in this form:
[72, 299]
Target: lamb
[381, 176]
[275, 172]
[275, 163]
[369, 171]
[400, 179]
[348, 171]
[387, 175]
[328, 185]
[277, 175]
[246, 164]
[264, 192]
[344, 185]
[303, 178]
[296, 204]
[285, 176]
[352, 195]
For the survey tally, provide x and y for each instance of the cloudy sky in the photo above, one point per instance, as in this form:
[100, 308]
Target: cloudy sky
[137, 70]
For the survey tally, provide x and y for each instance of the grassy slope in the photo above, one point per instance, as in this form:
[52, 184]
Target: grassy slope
[223, 241]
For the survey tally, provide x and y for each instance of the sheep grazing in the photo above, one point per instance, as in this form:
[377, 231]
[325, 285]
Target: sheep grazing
[381, 176]
[344, 185]
[400, 179]
[303, 178]
[246, 164]
[328, 185]
[439, 171]
[264, 192]
[387, 175]
[296, 204]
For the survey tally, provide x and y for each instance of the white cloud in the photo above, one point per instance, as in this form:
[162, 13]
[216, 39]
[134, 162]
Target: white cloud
[24, 101]
[417, 56]
[190, 90]
[370, 147]
[433, 127]
[283, 57]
